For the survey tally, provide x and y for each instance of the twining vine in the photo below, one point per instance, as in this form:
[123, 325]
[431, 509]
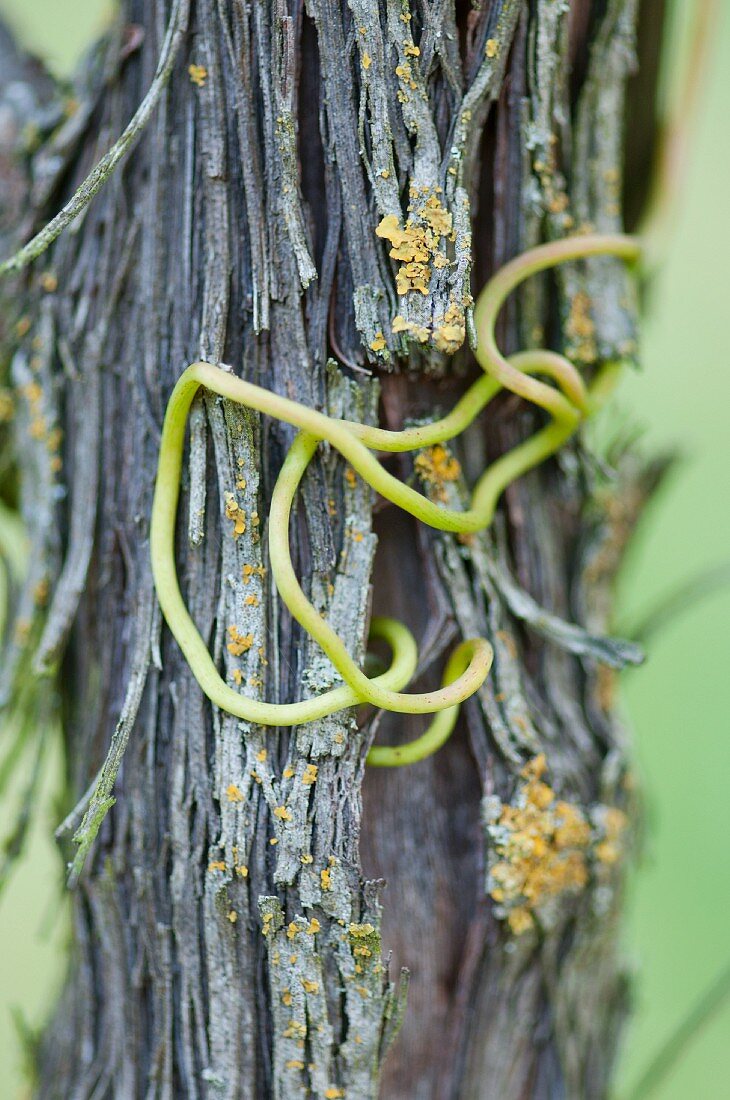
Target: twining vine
[469, 665]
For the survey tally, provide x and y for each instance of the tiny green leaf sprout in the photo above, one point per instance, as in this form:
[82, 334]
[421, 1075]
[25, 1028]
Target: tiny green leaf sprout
[569, 401]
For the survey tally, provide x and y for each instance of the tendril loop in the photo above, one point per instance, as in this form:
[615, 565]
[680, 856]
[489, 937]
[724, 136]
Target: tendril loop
[569, 401]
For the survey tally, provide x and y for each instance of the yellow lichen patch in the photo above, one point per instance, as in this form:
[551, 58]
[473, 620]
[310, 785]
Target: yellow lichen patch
[235, 513]
[232, 916]
[217, 865]
[242, 870]
[310, 986]
[419, 332]
[334, 1093]
[411, 50]
[49, 282]
[250, 571]
[234, 793]
[613, 823]
[581, 330]
[313, 927]
[282, 813]
[239, 643]
[294, 1063]
[436, 466]
[7, 406]
[437, 216]
[378, 342]
[310, 775]
[366, 60]
[325, 878]
[360, 930]
[261, 755]
[492, 47]
[540, 850]
[306, 858]
[286, 998]
[198, 74]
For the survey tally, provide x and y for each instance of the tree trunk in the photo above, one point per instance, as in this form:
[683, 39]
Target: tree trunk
[220, 949]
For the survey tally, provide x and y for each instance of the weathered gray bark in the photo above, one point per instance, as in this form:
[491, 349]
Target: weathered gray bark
[218, 947]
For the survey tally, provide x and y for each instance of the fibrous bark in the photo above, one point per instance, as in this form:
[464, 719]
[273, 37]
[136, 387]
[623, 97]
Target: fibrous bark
[227, 941]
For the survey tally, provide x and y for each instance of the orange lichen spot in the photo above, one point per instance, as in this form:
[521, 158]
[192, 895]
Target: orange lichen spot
[491, 48]
[581, 330]
[366, 60]
[239, 643]
[333, 1093]
[273, 841]
[378, 342]
[198, 74]
[217, 865]
[40, 592]
[313, 927]
[252, 600]
[540, 849]
[310, 775]
[286, 998]
[261, 755]
[288, 772]
[234, 793]
[295, 1029]
[310, 986]
[250, 571]
[325, 878]
[437, 466]
[235, 513]
[282, 813]
[613, 823]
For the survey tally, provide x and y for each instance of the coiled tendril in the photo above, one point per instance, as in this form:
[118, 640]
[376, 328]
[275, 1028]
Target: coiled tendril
[568, 402]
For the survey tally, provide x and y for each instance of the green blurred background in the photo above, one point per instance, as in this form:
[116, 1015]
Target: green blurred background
[678, 926]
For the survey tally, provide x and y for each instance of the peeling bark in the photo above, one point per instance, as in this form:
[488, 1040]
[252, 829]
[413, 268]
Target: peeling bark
[227, 942]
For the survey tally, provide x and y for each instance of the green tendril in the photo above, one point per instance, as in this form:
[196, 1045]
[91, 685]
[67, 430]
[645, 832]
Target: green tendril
[568, 403]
